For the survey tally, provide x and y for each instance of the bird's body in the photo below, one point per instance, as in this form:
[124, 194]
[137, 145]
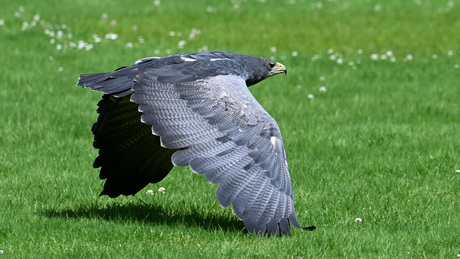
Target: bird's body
[202, 115]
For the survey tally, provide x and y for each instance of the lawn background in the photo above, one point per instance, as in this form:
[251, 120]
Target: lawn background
[381, 144]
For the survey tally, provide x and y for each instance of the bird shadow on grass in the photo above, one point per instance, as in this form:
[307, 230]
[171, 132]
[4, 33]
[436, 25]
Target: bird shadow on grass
[149, 214]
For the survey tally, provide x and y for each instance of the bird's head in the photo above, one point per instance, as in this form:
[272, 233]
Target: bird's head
[262, 68]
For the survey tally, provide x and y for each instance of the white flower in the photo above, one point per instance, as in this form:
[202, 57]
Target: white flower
[105, 16]
[340, 61]
[172, 33]
[193, 33]
[409, 57]
[360, 51]
[322, 78]
[383, 57]
[315, 57]
[434, 56]
[134, 28]
[374, 56]
[149, 192]
[332, 57]
[36, 17]
[88, 46]
[457, 171]
[358, 220]
[156, 2]
[96, 38]
[2, 22]
[330, 51]
[295, 53]
[273, 49]
[377, 8]
[25, 25]
[59, 47]
[456, 66]
[393, 59]
[141, 40]
[389, 53]
[310, 96]
[60, 69]
[1, 252]
[450, 53]
[59, 34]
[111, 36]
[161, 190]
[129, 45]
[181, 44]
[322, 89]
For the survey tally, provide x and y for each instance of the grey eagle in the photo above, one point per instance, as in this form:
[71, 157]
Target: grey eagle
[195, 110]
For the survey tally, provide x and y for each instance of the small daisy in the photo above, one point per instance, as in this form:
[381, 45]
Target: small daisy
[161, 190]
[374, 56]
[358, 220]
[339, 61]
[310, 96]
[273, 49]
[322, 89]
[457, 171]
[149, 192]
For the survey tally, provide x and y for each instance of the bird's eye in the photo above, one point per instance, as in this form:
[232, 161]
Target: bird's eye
[272, 65]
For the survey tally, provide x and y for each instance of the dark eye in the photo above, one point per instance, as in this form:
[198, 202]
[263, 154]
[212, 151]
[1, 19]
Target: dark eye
[272, 65]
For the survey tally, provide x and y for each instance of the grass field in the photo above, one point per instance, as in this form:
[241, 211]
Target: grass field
[381, 143]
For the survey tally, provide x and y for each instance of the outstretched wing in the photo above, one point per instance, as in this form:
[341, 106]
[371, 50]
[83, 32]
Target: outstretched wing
[221, 131]
[129, 156]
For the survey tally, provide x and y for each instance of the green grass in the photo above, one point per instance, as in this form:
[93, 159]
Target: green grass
[381, 144]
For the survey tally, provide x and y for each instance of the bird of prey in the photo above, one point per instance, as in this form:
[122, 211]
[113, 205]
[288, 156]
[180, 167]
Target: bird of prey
[195, 110]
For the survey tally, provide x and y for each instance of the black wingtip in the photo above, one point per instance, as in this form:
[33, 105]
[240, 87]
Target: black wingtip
[310, 228]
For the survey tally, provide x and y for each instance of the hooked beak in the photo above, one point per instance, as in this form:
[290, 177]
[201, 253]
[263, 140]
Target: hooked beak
[279, 68]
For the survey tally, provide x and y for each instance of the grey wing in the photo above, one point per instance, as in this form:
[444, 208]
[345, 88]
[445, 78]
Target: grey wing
[223, 133]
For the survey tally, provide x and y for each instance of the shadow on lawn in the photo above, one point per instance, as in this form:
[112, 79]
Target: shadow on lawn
[150, 214]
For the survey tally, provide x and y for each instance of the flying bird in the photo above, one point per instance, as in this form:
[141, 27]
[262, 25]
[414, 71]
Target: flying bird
[195, 110]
